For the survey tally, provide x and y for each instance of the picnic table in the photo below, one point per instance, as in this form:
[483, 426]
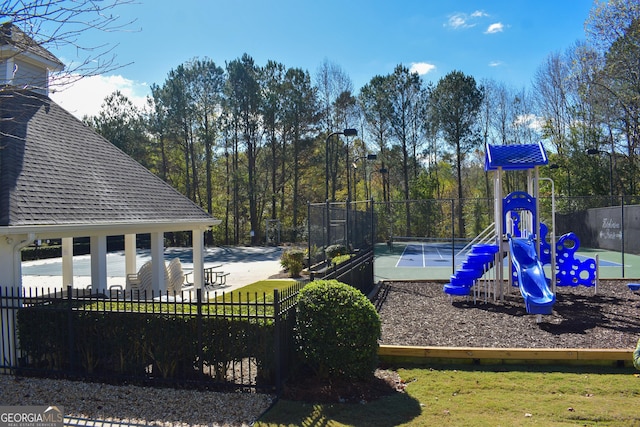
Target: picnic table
[214, 277]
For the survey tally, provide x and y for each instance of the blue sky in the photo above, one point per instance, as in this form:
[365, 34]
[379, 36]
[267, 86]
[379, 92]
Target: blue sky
[503, 40]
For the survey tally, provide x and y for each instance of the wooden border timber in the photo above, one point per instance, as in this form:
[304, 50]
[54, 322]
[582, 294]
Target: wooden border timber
[497, 356]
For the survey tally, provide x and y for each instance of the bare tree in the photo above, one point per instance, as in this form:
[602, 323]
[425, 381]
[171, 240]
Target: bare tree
[41, 26]
[551, 84]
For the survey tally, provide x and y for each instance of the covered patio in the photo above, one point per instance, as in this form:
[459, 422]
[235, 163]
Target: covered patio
[61, 180]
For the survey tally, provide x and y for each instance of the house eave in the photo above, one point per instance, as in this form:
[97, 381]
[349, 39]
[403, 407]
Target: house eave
[8, 51]
[111, 229]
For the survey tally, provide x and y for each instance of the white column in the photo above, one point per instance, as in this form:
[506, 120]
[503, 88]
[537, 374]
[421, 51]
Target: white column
[536, 194]
[130, 263]
[198, 258]
[98, 247]
[499, 218]
[11, 261]
[11, 284]
[157, 261]
[67, 261]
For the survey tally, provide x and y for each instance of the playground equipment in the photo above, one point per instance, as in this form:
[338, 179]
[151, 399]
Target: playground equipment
[572, 271]
[522, 239]
[531, 278]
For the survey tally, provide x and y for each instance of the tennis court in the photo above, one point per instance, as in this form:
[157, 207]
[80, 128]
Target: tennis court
[415, 260]
[426, 254]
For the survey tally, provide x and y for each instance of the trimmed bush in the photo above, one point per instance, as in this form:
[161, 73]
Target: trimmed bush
[335, 250]
[338, 330]
[293, 261]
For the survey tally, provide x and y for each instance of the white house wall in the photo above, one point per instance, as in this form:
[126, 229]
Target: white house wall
[30, 76]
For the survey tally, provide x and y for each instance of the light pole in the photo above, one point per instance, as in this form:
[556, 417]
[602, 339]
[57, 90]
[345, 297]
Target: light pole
[346, 132]
[595, 151]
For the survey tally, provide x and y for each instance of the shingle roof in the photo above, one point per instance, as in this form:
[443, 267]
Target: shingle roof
[54, 170]
[515, 157]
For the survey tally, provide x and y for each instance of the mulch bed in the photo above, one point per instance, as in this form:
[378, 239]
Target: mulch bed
[421, 314]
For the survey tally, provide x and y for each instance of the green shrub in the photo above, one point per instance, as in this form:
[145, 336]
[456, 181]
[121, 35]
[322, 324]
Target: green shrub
[315, 255]
[338, 330]
[340, 259]
[292, 260]
[335, 250]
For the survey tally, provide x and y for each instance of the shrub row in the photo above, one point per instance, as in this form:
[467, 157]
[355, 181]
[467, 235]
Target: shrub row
[336, 332]
[142, 345]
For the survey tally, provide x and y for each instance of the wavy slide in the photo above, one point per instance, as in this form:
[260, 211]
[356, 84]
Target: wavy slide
[531, 279]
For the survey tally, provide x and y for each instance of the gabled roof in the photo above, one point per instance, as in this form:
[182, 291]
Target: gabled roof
[515, 157]
[55, 171]
[15, 41]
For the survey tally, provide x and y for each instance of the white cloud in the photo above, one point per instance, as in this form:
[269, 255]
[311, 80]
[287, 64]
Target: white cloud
[530, 121]
[86, 95]
[464, 20]
[458, 20]
[421, 68]
[497, 27]
[495, 63]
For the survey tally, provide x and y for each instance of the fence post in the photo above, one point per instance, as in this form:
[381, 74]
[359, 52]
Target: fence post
[9, 304]
[308, 235]
[71, 341]
[453, 237]
[277, 347]
[199, 327]
[622, 232]
[327, 226]
[347, 228]
[373, 224]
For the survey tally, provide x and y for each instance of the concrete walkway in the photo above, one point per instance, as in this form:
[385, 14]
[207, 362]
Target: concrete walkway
[245, 265]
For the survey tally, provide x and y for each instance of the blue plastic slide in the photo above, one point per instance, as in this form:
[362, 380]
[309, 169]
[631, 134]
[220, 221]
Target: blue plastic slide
[531, 279]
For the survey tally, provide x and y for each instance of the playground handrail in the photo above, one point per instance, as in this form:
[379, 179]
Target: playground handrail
[485, 236]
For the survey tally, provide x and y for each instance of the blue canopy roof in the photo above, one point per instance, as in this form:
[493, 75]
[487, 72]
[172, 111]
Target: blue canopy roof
[515, 157]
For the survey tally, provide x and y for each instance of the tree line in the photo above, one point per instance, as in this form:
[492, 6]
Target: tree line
[251, 143]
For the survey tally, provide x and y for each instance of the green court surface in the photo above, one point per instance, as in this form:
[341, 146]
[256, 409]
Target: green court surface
[399, 263]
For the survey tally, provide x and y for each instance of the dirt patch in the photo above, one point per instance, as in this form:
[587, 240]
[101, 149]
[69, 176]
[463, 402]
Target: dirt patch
[312, 389]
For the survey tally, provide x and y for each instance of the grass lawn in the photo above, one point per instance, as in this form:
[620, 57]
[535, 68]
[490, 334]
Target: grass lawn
[483, 396]
[257, 290]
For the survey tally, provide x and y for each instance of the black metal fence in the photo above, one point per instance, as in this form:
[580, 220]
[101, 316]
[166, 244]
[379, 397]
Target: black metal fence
[356, 272]
[212, 340]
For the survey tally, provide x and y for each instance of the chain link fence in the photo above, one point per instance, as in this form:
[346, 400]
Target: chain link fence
[340, 223]
[604, 225]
